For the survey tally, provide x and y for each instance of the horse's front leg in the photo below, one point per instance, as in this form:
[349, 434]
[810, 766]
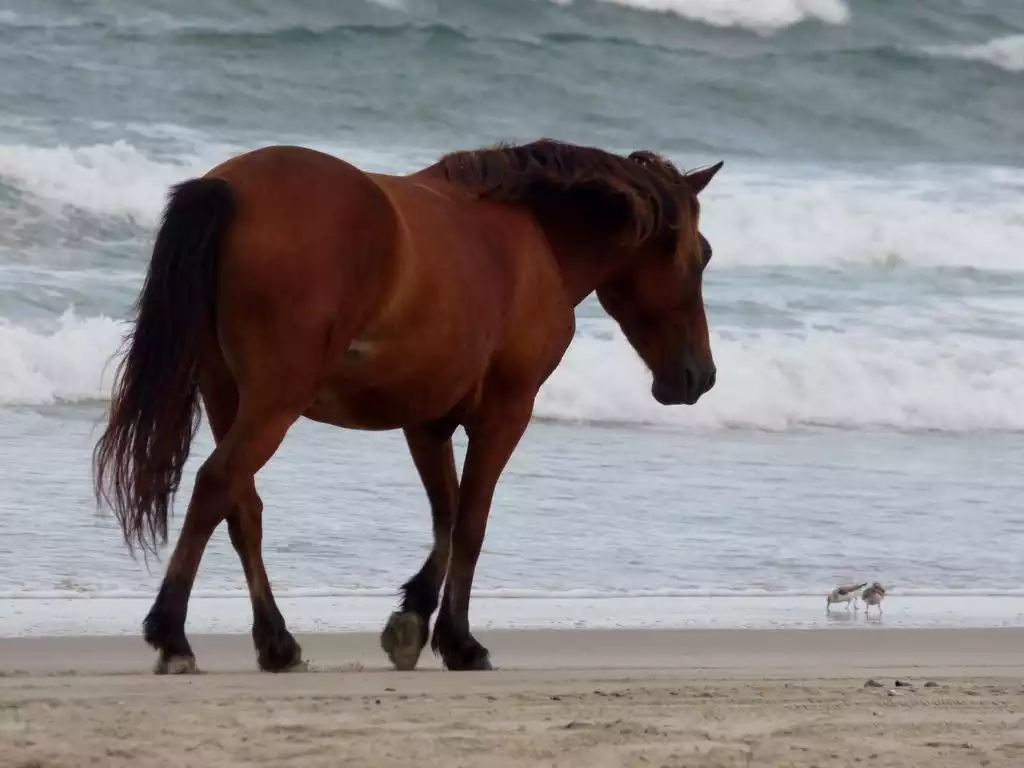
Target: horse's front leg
[407, 630]
[493, 435]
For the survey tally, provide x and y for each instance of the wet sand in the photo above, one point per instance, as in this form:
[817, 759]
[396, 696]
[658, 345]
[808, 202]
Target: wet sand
[565, 698]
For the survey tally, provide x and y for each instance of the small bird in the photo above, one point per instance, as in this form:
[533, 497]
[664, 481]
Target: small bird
[845, 593]
[873, 596]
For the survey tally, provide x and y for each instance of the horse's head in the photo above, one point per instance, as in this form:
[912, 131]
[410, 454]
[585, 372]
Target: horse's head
[655, 295]
[626, 227]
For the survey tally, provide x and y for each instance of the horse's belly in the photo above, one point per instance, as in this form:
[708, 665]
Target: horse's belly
[340, 413]
[389, 405]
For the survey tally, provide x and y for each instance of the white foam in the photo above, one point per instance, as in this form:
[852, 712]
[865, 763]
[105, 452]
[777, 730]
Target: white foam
[767, 380]
[18, 20]
[392, 5]
[775, 381]
[759, 15]
[1006, 53]
[754, 214]
[113, 179]
[119, 179]
[756, 15]
[63, 364]
[882, 216]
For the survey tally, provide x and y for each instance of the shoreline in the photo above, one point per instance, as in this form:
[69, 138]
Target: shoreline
[682, 651]
[94, 616]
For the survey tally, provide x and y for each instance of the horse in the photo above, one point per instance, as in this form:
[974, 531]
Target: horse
[287, 283]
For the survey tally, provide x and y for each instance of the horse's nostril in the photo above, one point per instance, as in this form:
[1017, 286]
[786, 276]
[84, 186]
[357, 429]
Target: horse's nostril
[712, 379]
[689, 379]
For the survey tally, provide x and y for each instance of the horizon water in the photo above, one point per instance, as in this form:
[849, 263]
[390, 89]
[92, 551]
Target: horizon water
[864, 303]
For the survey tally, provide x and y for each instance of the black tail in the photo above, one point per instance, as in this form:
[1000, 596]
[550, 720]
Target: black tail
[154, 412]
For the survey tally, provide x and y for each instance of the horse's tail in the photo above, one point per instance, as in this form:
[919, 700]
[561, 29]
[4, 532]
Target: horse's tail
[154, 414]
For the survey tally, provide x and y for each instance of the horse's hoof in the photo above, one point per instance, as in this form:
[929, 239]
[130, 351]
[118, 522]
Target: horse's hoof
[281, 653]
[403, 639]
[299, 665]
[470, 660]
[482, 664]
[176, 665]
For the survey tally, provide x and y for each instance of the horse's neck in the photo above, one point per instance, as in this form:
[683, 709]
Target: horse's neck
[585, 254]
[582, 245]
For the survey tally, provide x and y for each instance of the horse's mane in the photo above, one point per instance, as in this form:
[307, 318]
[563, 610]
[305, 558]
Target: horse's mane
[643, 192]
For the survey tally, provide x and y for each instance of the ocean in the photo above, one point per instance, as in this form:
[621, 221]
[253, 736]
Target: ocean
[865, 303]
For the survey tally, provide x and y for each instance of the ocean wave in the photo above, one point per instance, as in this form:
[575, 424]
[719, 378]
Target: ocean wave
[1006, 53]
[777, 381]
[115, 179]
[68, 364]
[756, 15]
[760, 218]
[144, 18]
[26, 21]
[767, 380]
[892, 217]
[500, 20]
[329, 33]
[825, 86]
[755, 214]
[120, 179]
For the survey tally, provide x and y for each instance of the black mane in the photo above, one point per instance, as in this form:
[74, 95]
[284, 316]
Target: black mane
[643, 192]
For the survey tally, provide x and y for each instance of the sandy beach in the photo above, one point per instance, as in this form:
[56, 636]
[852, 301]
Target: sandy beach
[565, 698]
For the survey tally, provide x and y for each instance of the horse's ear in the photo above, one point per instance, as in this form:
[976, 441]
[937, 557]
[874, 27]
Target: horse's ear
[700, 179]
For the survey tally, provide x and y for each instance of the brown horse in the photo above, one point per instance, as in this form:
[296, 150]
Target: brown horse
[288, 283]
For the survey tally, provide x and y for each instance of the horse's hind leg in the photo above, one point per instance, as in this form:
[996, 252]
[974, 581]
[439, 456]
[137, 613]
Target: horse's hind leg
[275, 646]
[407, 630]
[276, 649]
[223, 484]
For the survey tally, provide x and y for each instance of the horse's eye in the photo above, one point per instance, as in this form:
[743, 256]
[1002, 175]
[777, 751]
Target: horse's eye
[705, 249]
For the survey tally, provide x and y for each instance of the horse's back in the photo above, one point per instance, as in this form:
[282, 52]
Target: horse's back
[282, 158]
[309, 202]
[302, 192]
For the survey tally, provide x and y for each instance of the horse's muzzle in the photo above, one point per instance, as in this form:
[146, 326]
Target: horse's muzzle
[686, 384]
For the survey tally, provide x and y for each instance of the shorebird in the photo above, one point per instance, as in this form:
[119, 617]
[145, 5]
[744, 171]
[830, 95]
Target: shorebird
[873, 596]
[845, 593]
